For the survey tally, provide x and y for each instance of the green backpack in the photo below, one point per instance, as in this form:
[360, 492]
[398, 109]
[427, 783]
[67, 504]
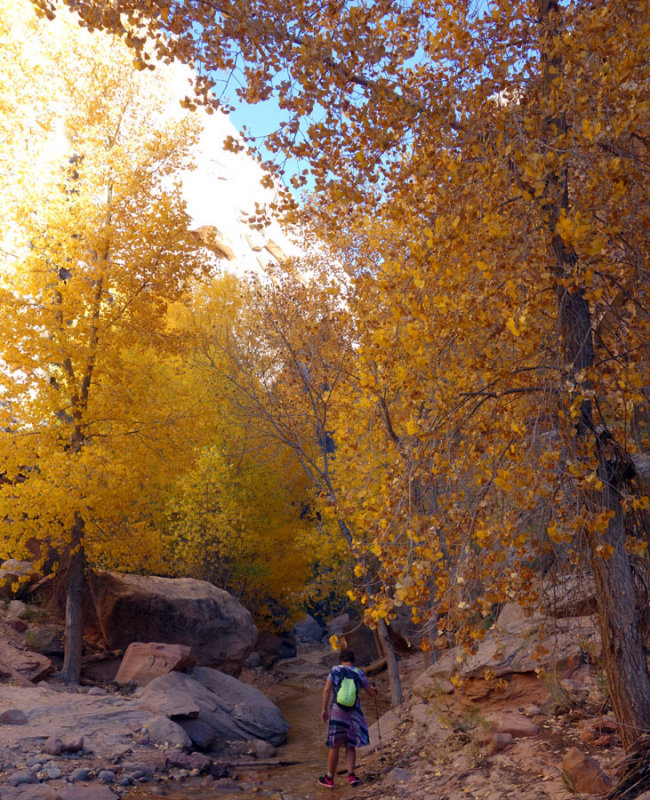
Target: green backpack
[346, 696]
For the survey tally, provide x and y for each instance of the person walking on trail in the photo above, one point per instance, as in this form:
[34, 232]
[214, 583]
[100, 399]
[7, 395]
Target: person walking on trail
[342, 708]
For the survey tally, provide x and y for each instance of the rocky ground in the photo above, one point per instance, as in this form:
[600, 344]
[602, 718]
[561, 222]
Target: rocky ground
[507, 730]
[521, 737]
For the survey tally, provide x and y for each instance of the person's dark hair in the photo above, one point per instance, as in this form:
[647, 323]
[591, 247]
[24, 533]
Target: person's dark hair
[347, 656]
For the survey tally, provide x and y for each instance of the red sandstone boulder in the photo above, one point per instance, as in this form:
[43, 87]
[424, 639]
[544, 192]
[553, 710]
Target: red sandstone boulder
[583, 774]
[144, 661]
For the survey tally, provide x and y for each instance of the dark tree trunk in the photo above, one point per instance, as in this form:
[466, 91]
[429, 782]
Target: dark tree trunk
[396, 696]
[620, 629]
[623, 648]
[72, 644]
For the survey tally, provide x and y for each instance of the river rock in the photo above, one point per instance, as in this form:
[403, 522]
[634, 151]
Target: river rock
[138, 608]
[13, 716]
[53, 746]
[165, 731]
[22, 776]
[188, 761]
[144, 661]
[72, 744]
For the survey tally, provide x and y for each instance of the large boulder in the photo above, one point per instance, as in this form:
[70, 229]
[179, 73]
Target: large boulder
[137, 608]
[363, 642]
[308, 630]
[521, 645]
[233, 710]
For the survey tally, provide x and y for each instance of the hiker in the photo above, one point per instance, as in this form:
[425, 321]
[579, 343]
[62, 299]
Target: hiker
[342, 708]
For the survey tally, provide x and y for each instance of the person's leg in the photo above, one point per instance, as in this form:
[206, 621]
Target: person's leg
[350, 758]
[332, 761]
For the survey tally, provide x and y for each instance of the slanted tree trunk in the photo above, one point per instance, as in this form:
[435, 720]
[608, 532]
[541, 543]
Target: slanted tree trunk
[396, 695]
[620, 629]
[623, 648]
[72, 645]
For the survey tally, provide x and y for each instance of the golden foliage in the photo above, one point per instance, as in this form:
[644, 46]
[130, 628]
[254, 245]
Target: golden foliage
[95, 246]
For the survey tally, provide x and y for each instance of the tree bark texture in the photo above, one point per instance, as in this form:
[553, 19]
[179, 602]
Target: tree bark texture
[396, 695]
[623, 649]
[72, 643]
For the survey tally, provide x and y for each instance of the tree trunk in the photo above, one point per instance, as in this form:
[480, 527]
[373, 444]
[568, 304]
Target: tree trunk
[623, 649]
[396, 696]
[72, 643]
[620, 631]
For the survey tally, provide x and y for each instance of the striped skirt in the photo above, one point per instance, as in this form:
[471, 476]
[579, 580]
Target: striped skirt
[347, 727]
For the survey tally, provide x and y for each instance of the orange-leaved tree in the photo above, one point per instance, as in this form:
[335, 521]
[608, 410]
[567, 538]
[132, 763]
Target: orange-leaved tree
[283, 354]
[95, 245]
[497, 153]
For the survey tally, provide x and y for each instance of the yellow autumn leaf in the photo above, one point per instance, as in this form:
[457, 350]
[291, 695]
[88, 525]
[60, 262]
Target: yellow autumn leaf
[511, 325]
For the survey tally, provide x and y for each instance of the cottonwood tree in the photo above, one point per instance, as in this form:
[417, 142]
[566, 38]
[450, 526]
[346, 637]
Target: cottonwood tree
[99, 246]
[235, 516]
[509, 143]
[284, 349]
